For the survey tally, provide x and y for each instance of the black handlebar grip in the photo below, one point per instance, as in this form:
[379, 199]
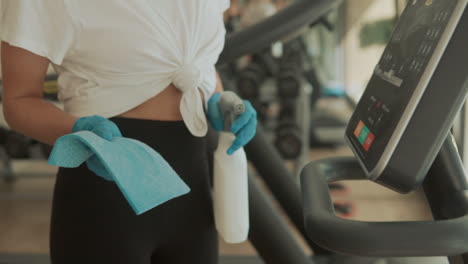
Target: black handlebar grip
[375, 239]
[282, 24]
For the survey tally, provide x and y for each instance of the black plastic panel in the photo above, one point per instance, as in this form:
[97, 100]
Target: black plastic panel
[405, 79]
[396, 77]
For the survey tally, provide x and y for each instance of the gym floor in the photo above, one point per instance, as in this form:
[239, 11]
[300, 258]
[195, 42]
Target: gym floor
[26, 206]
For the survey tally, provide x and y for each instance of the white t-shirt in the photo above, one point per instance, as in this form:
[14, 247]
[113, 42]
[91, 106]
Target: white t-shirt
[112, 55]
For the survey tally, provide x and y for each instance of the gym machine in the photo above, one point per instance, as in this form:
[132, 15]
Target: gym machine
[400, 135]
[282, 83]
[277, 81]
[330, 103]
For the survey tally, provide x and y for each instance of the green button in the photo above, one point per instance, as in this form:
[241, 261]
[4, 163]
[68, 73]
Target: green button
[364, 133]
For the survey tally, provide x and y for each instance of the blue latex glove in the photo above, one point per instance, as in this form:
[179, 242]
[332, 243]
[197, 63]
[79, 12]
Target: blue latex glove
[104, 128]
[244, 127]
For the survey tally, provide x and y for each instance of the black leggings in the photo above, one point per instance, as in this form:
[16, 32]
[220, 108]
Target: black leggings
[93, 223]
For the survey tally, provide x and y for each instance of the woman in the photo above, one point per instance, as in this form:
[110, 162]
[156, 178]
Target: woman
[143, 69]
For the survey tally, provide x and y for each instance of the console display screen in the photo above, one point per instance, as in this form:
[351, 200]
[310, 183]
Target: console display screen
[396, 77]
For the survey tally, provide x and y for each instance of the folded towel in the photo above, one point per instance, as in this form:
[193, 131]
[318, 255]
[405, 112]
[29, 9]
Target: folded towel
[142, 175]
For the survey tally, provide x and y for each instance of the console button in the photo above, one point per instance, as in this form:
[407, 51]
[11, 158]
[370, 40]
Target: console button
[368, 143]
[363, 135]
[358, 129]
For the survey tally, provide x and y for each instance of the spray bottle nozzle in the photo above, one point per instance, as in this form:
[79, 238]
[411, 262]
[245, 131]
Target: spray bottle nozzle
[231, 107]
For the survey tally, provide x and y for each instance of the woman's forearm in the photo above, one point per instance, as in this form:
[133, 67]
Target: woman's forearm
[219, 84]
[23, 107]
[38, 119]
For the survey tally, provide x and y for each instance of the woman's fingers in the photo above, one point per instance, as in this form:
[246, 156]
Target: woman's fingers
[244, 135]
[244, 118]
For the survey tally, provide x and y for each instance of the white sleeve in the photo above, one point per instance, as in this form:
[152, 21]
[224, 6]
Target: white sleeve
[43, 27]
[225, 4]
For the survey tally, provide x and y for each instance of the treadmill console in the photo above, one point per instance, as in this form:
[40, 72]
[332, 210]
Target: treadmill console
[408, 106]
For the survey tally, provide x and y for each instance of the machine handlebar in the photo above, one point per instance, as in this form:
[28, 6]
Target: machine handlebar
[254, 38]
[375, 239]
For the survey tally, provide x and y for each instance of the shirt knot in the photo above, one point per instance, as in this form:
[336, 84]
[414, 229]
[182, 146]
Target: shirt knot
[187, 78]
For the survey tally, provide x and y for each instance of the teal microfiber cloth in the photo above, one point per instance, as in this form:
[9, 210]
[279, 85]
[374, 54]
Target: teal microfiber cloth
[145, 179]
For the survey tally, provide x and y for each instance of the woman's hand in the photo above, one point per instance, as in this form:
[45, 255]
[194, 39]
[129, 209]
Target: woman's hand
[99, 125]
[104, 128]
[244, 126]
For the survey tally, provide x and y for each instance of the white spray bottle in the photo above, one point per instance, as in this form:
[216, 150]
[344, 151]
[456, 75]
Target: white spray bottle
[230, 180]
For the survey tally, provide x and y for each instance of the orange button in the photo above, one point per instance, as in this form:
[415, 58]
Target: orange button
[359, 128]
[368, 142]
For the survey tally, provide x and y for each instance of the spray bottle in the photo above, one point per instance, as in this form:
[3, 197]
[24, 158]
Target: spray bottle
[230, 181]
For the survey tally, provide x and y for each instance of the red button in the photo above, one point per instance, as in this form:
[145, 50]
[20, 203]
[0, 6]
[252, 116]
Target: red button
[369, 141]
[359, 128]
